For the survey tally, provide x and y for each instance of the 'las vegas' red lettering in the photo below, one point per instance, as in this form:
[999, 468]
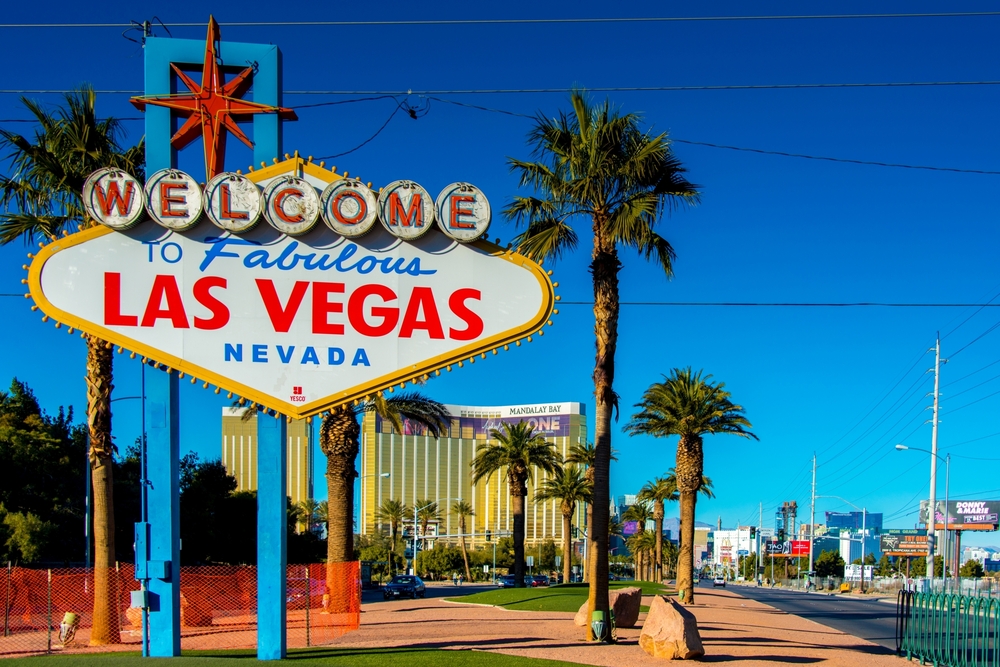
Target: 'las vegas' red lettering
[113, 302]
[165, 287]
[220, 313]
[474, 323]
[322, 307]
[281, 316]
[421, 299]
[356, 311]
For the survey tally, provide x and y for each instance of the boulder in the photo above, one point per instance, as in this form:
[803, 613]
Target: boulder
[671, 632]
[624, 601]
[134, 616]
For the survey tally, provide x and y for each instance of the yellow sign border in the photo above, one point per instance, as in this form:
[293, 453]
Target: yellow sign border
[382, 383]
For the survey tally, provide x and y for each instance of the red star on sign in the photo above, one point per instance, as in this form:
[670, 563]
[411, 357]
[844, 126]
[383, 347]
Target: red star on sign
[212, 107]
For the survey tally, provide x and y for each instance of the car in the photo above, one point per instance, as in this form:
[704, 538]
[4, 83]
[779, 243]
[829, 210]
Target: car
[506, 581]
[404, 585]
[539, 580]
[719, 581]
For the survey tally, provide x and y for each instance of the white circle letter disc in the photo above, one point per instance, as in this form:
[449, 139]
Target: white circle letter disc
[349, 208]
[406, 210]
[291, 205]
[113, 198]
[173, 199]
[463, 212]
[233, 202]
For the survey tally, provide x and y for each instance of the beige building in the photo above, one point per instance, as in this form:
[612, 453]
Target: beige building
[239, 453]
[424, 468]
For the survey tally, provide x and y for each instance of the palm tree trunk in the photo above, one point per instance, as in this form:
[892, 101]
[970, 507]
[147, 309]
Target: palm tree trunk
[339, 441]
[99, 385]
[658, 527]
[689, 472]
[461, 543]
[604, 268]
[517, 510]
[587, 567]
[567, 545]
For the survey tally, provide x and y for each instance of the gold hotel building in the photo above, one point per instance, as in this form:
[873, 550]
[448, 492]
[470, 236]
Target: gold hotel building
[424, 468]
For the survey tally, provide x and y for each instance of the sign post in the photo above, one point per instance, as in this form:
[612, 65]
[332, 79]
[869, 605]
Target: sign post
[272, 465]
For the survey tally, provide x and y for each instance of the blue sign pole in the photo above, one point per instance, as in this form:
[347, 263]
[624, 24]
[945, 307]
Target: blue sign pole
[159, 560]
[272, 561]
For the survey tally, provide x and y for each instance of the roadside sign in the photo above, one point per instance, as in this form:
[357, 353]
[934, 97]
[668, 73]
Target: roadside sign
[531, 561]
[558, 561]
[743, 552]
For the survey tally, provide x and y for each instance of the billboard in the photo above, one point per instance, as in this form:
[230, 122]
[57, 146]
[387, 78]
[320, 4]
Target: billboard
[630, 528]
[963, 514]
[799, 548]
[903, 542]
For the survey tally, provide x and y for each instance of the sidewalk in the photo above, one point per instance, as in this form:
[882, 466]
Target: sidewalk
[733, 628]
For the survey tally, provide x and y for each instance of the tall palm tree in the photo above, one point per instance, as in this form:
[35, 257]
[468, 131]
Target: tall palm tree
[688, 405]
[584, 453]
[42, 198]
[463, 510]
[639, 514]
[517, 450]
[570, 487]
[598, 166]
[339, 440]
[427, 511]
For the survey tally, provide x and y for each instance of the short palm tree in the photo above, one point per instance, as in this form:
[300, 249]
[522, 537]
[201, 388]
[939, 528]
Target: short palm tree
[427, 511]
[570, 487]
[638, 514]
[463, 510]
[517, 450]
[339, 440]
[601, 168]
[584, 454]
[308, 511]
[42, 198]
[392, 512]
[689, 405]
[658, 491]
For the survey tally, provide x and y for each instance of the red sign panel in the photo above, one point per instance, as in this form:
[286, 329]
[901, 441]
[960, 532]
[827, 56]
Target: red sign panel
[799, 547]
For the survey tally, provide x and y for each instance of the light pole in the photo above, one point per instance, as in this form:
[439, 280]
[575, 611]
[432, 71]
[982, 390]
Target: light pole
[933, 514]
[864, 532]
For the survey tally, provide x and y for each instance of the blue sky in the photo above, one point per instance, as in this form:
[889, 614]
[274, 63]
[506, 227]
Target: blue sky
[846, 383]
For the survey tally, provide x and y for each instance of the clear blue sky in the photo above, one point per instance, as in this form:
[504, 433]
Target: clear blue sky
[769, 229]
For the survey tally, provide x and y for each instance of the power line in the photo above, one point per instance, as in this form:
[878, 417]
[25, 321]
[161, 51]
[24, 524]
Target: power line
[569, 21]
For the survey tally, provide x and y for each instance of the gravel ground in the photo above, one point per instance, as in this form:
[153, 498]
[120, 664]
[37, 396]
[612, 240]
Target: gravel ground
[733, 628]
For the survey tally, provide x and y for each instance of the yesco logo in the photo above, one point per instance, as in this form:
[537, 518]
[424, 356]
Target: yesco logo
[291, 205]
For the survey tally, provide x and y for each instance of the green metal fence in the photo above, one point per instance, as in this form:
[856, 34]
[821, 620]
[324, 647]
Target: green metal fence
[948, 629]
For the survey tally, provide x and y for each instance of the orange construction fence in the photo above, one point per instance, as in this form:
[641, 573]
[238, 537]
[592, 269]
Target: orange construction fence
[52, 611]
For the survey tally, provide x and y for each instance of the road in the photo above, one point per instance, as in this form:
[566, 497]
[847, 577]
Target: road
[868, 619]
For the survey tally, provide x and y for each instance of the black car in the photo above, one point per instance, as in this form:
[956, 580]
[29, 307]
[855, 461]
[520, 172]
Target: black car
[404, 586]
[539, 580]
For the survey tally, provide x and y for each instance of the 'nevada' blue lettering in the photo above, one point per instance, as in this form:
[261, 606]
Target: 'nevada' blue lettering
[360, 358]
[234, 353]
[260, 354]
[309, 356]
[283, 355]
[288, 259]
[335, 356]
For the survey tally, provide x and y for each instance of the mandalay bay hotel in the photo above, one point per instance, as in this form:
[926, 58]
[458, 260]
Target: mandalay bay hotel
[423, 468]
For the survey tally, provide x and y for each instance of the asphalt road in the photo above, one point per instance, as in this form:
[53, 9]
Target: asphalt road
[868, 619]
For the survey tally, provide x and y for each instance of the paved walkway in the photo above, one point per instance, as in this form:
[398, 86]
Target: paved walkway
[733, 629]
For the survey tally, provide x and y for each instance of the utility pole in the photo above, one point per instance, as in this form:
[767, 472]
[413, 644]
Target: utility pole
[812, 515]
[760, 539]
[932, 505]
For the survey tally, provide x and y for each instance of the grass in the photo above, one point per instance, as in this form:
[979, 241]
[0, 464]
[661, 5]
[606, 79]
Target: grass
[328, 657]
[566, 597]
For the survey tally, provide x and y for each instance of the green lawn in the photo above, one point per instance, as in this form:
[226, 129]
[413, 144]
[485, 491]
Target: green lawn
[398, 657]
[567, 597]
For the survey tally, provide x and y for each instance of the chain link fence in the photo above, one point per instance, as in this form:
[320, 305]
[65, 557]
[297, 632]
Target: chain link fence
[52, 611]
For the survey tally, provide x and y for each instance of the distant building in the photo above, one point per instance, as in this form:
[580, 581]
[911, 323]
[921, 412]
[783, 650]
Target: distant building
[728, 545]
[239, 453]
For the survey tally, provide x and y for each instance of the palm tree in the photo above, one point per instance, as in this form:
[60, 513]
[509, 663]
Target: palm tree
[339, 441]
[308, 511]
[41, 199]
[323, 515]
[585, 454]
[639, 513]
[599, 166]
[688, 405]
[427, 511]
[393, 512]
[463, 509]
[657, 492]
[517, 449]
[570, 487]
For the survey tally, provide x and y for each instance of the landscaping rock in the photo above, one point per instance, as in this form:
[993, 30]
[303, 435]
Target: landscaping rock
[671, 632]
[624, 601]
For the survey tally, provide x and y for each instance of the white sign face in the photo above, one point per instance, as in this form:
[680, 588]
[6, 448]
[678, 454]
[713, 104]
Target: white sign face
[173, 199]
[294, 326]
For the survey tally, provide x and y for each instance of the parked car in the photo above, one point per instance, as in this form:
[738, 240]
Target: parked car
[506, 581]
[719, 581]
[404, 585]
[539, 580]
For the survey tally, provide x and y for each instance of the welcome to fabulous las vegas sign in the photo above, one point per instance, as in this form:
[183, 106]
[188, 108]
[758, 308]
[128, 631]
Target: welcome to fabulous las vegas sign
[292, 286]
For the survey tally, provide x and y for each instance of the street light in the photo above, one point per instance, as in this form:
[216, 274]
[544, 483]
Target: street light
[932, 511]
[864, 533]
